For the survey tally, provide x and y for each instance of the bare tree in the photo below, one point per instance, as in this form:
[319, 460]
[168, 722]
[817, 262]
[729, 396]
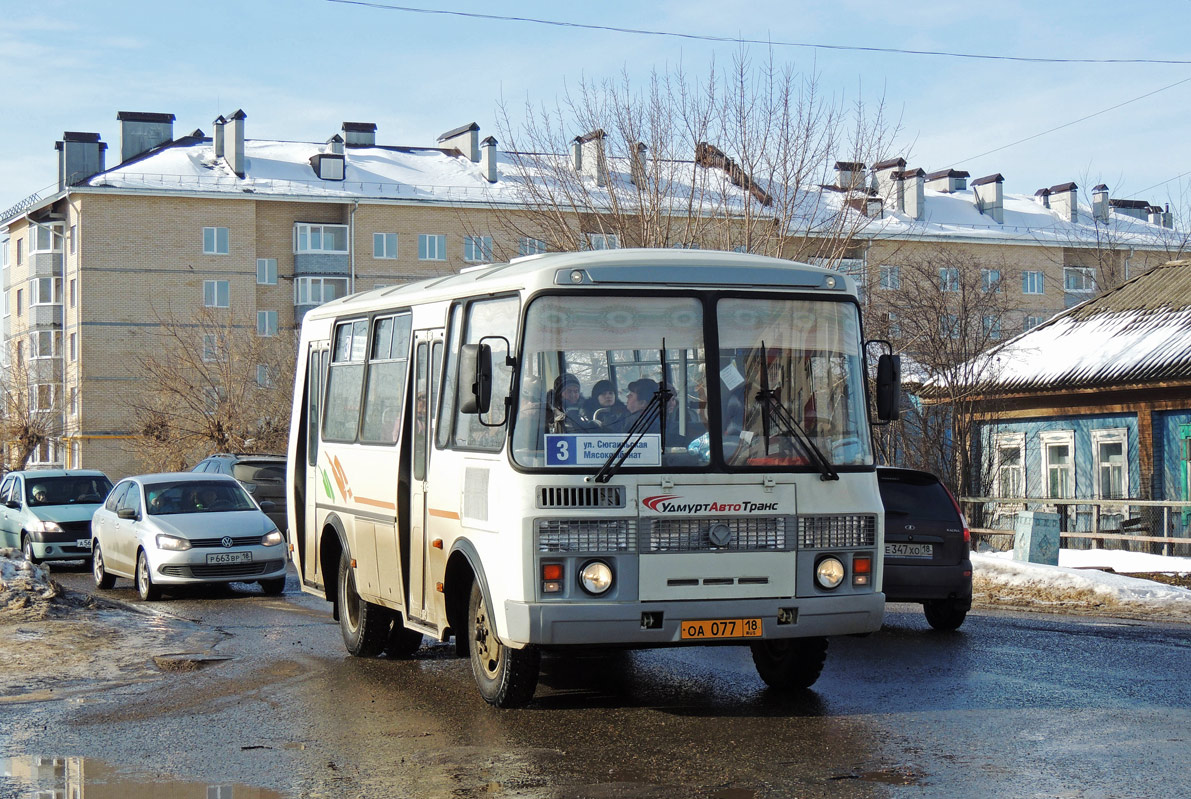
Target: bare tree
[732, 160]
[212, 384]
[30, 404]
[944, 311]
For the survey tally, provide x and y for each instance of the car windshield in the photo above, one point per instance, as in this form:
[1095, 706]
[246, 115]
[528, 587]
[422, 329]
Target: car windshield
[70, 490]
[196, 496]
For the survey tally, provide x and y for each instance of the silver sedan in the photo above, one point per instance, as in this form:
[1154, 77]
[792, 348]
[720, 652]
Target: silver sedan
[185, 528]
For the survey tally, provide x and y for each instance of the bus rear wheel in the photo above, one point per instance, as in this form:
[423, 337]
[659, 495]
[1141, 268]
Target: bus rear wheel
[790, 664]
[505, 676]
[365, 626]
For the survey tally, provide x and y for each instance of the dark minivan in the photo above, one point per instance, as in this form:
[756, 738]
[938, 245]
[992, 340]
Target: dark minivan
[927, 546]
[262, 475]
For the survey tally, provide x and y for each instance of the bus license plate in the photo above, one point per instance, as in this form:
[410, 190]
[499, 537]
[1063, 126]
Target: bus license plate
[230, 557]
[708, 629]
[909, 550]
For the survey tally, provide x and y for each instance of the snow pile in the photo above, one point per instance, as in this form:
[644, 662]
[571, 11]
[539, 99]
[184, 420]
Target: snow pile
[998, 580]
[25, 586]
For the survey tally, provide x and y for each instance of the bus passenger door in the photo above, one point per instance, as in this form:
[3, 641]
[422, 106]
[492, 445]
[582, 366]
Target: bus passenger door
[427, 355]
[307, 527]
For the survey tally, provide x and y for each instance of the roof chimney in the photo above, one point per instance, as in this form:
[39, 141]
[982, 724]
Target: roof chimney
[335, 144]
[465, 139]
[80, 155]
[990, 197]
[909, 193]
[234, 150]
[851, 175]
[637, 171]
[1100, 206]
[1063, 201]
[488, 159]
[947, 180]
[359, 134]
[592, 160]
[883, 178]
[1155, 215]
[218, 134]
[141, 132]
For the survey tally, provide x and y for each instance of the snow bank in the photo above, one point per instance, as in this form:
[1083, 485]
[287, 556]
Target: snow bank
[24, 586]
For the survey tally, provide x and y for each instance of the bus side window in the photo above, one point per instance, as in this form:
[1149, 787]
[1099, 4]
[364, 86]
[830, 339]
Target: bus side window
[345, 379]
[446, 411]
[384, 394]
[421, 412]
[314, 393]
[492, 321]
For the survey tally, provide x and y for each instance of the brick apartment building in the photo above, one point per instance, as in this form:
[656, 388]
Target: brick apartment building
[269, 229]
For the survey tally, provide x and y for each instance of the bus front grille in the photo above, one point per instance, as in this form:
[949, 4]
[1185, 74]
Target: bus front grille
[733, 534]
[585, 535]
[836, 531]
[581, 496]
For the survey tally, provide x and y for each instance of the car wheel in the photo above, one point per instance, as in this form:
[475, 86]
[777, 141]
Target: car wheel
[402, 641]
[102, 578]
[944, 614]
[790, 664]
[27, 549]
[506, 677]
[365, 626]
[144, 580]
[272, 587]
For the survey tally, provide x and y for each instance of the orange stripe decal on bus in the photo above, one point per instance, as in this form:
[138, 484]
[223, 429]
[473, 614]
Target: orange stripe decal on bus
[376, 503]
[445, 514]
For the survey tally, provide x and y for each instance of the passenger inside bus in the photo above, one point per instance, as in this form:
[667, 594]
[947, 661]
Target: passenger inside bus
[603, 396]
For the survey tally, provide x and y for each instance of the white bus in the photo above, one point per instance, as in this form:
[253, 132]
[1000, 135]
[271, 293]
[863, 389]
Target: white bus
[630, 448]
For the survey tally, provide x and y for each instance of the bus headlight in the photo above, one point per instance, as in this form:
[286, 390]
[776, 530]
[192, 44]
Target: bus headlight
[596, 577]
[829, 572]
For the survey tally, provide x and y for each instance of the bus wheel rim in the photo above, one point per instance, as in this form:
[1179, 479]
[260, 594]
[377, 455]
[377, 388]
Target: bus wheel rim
[487, 647]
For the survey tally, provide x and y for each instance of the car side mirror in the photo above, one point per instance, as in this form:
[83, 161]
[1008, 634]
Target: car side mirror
[268, 505]
[15, 504]
[889, 386]
[126, 513]
[475, 378]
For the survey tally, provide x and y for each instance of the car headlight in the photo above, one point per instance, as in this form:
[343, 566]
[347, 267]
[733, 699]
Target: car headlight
[45, 527]
[829, 572]
[272, 538]
[596, 577]
[172, 542]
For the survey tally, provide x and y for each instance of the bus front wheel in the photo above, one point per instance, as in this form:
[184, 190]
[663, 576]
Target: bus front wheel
[790, 664]
[506, 677]
[365, 626]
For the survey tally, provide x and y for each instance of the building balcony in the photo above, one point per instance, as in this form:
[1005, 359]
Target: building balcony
[318, 263]
[45, 317]
[45, 264]
[45, 370]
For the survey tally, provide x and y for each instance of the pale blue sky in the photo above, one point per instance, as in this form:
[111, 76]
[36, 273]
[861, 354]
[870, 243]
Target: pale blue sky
[300, 68]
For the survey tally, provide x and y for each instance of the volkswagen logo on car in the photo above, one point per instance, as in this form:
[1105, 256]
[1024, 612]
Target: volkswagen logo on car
[227, 542]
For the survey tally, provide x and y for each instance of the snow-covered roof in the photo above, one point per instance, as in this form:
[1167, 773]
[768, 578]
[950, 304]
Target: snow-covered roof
[1136, 333]
[443, 175]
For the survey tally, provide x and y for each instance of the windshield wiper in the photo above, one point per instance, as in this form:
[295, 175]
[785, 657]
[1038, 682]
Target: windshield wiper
[772, 407]
[649, 414]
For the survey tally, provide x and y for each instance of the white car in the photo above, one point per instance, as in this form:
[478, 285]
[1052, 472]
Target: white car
[183, 528]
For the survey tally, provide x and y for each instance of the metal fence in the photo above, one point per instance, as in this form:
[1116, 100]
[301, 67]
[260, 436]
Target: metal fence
[1135, 525]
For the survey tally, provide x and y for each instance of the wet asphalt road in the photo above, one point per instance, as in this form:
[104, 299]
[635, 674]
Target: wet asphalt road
[1013, 705]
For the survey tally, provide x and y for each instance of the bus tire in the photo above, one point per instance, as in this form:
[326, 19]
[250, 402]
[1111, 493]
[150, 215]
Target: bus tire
[790, 664]
[365, 626]
[505, 676]
[402, 641]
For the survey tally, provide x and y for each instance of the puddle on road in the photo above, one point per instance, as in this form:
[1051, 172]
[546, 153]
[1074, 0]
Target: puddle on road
[68, 777]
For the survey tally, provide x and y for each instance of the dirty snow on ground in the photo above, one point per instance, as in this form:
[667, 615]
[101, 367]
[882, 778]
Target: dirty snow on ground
[1080, 585]
[24, 585]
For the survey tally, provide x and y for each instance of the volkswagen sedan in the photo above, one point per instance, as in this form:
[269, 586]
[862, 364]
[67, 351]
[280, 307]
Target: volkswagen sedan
[163, 530]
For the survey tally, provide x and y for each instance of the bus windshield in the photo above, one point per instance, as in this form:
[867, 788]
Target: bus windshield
[592, 364]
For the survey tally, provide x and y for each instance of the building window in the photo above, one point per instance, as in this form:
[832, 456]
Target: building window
[20, 251]
[73, 292]
[948, 278]
[46, 291]
[262, 376]
[891, 278]
[1033, 322]
[74, 241]
[45, 238]
[432, 247]
[1009, 468]
[74, 347]
[41, 397]
[949, 325]
[320, 238]
[1058, 463]
[990, 280]
[477, 249]
[210, 347]
[1079, 278]
[1110, 448]
[74, 401]
[530, 246]
[317, 290]
[44, 344]
[266, 323]
[7, 312]
[266, 271]
[1032, 283]
[991, 326]
[895, 326]
[4, 253]
[215, 293]
[603, 241]
[384, 245]
[20, 299]
[215, 241]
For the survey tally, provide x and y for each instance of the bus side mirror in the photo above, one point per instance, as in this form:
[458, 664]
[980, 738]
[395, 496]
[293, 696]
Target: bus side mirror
[475, 378]
[889, 386]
